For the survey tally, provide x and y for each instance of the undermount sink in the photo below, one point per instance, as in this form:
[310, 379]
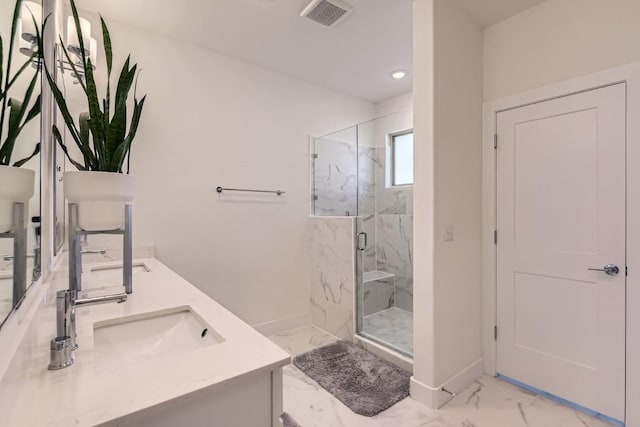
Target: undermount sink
[136, 339]
[109, 276]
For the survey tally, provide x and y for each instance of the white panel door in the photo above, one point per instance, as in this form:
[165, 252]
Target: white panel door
[561, 211]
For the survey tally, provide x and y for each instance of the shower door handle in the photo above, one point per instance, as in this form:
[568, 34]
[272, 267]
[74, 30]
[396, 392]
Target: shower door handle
[362, 241]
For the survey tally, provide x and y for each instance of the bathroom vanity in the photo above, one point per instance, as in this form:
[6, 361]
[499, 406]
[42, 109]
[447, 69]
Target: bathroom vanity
[168, 356]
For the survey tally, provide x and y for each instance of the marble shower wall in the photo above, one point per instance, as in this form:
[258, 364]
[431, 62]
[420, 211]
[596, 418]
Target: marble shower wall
[367, 158]
[333, 274]
[350, 177]
[395, 255]
[344, 176]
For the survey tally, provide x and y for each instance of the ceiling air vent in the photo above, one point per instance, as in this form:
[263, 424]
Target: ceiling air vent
[326, 12]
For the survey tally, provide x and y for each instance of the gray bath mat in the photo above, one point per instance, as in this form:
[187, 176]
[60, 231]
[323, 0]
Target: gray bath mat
[287, 421]
[365, 383]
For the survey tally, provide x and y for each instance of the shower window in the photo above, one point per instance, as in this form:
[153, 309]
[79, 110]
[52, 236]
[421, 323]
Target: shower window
[402, 158]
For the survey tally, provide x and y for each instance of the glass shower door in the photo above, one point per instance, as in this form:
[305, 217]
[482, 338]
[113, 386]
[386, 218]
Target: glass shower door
[384, 294]
[353, 175]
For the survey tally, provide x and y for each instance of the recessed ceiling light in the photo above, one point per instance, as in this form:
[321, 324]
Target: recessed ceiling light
[399, 74]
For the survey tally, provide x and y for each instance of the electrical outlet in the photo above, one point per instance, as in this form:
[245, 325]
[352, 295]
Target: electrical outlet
[449, 233]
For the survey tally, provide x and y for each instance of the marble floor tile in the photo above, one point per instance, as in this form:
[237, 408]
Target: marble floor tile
[487, 402]
[301, 340]
[393, 326]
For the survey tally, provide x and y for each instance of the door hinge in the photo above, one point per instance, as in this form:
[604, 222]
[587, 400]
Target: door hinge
[495, 237]
[314, 156]
[495, 333]
[315, 197]
[495, 141]
[626, 271]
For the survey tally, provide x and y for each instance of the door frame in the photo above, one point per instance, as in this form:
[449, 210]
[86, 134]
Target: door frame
[629, 74]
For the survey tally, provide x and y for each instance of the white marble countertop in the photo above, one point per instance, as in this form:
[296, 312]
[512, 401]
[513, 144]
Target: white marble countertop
[87, 395]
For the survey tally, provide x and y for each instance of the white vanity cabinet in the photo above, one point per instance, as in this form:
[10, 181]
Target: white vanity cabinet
[138, 374]
[253, 400]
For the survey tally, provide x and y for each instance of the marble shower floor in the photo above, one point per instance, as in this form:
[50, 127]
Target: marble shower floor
[485, 403]
[393, 326]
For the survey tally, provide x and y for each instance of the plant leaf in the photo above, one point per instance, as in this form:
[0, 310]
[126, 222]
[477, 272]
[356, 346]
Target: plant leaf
[76, 21]
[58, 138]
[106, 41]
[74, 67]
[96, 122]
[23, 67]
[83, 120]
[70, 124]
[125, 81]
[101, 137]
[1, 66]
[62, 106]
[35, 110]
[124, 148]
[14, 26]
[6, 152]
[118, 126]
[26, 100]
[19, 112]
[117, 129]
[19, 163]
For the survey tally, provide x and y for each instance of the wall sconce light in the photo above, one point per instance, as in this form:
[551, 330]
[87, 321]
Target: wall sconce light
[73, 48]
[28, 35]
[28, 31]
[73, 43]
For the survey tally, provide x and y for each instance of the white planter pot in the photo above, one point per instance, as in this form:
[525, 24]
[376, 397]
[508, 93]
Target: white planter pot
[16, 186]
[101, 198]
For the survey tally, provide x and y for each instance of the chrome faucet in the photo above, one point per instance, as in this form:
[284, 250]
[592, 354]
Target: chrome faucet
[62, 347]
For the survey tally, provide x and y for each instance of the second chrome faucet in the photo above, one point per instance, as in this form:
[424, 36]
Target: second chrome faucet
[63, 345]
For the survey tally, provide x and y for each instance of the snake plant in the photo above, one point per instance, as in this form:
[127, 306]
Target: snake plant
[15, 113]
[101, 133]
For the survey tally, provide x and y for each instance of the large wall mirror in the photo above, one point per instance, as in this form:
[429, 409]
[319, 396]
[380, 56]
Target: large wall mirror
[20, 89]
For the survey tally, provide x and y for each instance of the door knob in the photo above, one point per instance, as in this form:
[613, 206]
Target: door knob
[610, 269]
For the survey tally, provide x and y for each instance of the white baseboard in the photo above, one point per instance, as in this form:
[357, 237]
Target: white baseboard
[273, 327]
[435, 397]
[423, 393]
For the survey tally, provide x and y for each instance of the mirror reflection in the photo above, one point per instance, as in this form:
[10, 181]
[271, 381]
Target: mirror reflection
[59, 210]
[20, 87]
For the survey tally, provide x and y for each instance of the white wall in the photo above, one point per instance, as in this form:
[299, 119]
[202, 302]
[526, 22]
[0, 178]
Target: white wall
[393, 105]
[423, 191]
[448, 127]
[458, 193]
[213, 121]
[558, 40]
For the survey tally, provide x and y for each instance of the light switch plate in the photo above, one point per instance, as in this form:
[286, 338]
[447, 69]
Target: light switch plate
[449, 233]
